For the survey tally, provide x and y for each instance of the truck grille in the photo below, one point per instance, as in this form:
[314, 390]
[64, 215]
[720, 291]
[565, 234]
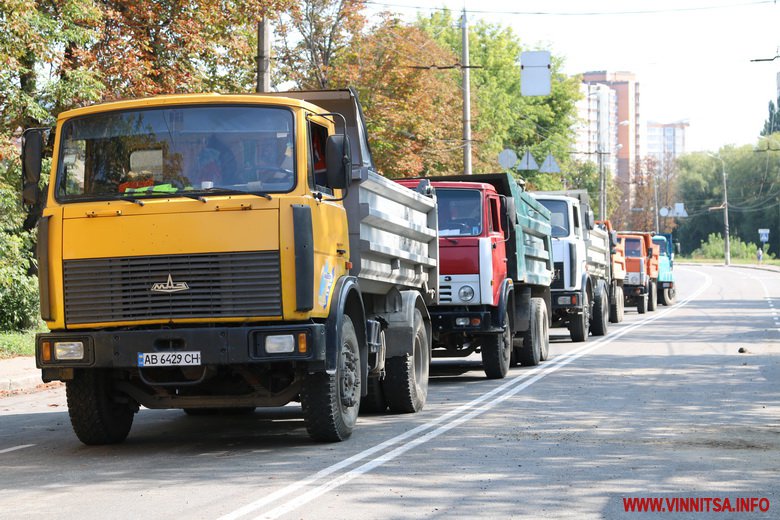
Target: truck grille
[557, 281]
[445, 293]
[185, 286]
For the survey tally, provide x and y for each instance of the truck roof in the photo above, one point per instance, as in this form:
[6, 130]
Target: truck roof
[188, 99]
[454, 184]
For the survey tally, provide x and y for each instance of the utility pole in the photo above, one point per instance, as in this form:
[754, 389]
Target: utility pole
[263, 56]
[655, 192]
[466, 98]
[726, 244]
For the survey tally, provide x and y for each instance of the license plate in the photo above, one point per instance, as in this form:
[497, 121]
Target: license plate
[168, 359]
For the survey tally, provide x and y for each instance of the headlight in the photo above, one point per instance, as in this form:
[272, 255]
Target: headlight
[466, 293]
[280, 344]
[73, 350]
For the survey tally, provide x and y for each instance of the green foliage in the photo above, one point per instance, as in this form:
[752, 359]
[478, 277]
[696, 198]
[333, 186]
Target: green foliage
[714, 248]
[14, 344]
[753, 180]
[772, 123]
[18, 290]
[502, 118]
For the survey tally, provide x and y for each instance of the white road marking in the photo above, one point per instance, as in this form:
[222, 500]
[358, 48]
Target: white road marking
[459, 416]
[20, 447]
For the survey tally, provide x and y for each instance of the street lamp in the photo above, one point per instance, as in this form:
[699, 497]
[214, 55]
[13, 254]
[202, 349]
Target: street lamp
[727, 245]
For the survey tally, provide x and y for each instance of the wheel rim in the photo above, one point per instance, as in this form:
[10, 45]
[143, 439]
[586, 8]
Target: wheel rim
[350, 377]
[506, 342]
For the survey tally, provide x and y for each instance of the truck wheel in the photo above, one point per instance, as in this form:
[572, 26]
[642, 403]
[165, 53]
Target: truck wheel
[374, 401]
[331, 402]
[99, 414]
[497, 351]
[578, 329]
[616, 309]
[544, 321]
[406, 382]
[641, 304]
[667, 296]
[535, 342]
[652, 297]
[600, 311]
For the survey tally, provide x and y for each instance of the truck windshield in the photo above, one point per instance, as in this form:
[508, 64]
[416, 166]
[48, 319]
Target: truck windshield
[559, 216]
[165, 151]
[662, 245]
[460, 212]
[633, 247]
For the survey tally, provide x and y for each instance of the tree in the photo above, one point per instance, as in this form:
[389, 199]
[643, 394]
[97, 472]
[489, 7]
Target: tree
[504, 118]
[312, 35]
[413, 115]
[772, 123]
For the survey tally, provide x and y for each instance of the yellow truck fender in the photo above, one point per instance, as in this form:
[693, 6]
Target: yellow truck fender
[347, 299]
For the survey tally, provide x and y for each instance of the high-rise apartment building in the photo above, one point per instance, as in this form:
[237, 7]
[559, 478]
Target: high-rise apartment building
[596, 132]
[665, 142]
[626, 90]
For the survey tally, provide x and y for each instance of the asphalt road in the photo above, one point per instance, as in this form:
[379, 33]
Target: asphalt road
[663, 407]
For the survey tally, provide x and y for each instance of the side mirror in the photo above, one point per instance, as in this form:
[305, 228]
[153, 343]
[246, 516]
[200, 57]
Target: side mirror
[509, 214]
[338, 161]
[32, 157]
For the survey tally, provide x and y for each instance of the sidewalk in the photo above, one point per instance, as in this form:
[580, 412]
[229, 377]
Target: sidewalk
[20, 374]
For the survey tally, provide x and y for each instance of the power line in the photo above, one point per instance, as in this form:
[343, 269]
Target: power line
[577, 13]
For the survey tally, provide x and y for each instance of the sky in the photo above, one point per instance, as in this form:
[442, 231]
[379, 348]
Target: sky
[692, 58]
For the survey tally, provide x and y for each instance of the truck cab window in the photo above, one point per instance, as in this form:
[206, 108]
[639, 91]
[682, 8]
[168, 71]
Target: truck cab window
[460, 212]
[318, 135]
[559, 217]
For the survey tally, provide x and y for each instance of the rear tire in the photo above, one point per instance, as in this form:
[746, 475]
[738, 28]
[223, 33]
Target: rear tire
[99, 414]
[331, 402]
[641, 304]
[534, 339]
[600, 320]
[497, 352]
[406, 382]
[578, 329]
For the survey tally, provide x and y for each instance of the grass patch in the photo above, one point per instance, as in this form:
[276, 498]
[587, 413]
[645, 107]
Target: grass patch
[14, 344]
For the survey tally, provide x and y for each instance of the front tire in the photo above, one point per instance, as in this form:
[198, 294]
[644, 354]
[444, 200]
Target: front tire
[667, 296]
[617, 309]
[331, 402]
[581, 323]
[652, 297]
[99, 414]
[497, 352]
[641, 304]
[406, 382]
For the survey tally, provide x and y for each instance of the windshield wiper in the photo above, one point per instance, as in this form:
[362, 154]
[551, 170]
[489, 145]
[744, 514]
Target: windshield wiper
[228, 191]
[133, 200]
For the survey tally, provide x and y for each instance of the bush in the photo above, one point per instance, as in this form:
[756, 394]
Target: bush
[18, 289]
[715, 244]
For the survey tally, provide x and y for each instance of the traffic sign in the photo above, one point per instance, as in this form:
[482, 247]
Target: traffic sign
[763, 235]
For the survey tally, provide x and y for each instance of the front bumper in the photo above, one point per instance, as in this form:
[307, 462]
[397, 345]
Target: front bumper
[477, 321]
[569, 301]
[216, 345]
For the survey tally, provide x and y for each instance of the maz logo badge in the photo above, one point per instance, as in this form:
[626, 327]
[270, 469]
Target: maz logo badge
[170, 286]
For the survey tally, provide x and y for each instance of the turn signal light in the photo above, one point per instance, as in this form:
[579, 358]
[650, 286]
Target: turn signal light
[45, 351]
[302, 346]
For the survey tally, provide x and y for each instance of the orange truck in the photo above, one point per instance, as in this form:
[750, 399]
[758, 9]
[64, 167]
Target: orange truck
[641, 283]
[618, 268]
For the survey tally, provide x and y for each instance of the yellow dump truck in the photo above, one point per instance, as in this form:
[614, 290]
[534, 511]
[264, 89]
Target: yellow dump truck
[216, 253]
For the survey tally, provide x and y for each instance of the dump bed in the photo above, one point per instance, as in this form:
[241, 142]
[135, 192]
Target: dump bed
[393, 234]
[530, 251]
[617, 251]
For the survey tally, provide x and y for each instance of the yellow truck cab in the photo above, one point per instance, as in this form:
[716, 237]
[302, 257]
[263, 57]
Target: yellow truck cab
[197, 252]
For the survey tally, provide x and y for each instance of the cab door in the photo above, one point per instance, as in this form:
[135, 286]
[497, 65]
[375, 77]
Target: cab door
[497, 245]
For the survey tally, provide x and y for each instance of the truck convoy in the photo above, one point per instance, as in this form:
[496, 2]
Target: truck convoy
[495, 272]
[582, 287]
[223, 252]
[641, 282]
[666, 289]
